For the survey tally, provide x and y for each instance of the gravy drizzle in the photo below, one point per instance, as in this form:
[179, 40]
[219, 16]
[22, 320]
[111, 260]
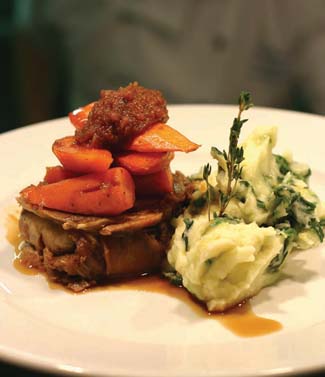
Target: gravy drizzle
[240, 320]
[13, 237]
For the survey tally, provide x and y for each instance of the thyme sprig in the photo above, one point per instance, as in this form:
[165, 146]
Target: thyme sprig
[206, 173]
[235, 154]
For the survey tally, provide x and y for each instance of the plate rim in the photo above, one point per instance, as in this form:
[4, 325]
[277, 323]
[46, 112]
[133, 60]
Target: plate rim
[42, 366]
[180, 105]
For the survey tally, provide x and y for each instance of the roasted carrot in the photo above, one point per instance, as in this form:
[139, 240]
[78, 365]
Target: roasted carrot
[79, 116]
[161, 138]
[79, 158]
[154, 185]
[58, 173]
[108, 193]
[144, 163]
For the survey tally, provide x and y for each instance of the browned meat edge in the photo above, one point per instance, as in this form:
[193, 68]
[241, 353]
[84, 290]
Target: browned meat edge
[81, 251]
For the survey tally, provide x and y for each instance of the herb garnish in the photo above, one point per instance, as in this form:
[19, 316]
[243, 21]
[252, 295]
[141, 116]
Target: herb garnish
[206, 174]
[235, 154]
[188, 223]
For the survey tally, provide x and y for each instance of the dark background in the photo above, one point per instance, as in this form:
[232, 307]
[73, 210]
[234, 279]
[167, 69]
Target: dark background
[56, 55]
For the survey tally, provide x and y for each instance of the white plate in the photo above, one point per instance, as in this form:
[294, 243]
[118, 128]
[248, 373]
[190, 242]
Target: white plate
[131, 333]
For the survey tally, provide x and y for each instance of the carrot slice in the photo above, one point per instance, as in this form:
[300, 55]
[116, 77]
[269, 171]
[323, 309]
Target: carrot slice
[144, 163]
[161, 138]
[79, 116]
[154, 185]
[108, 193]
[79, 158]
[58, 173]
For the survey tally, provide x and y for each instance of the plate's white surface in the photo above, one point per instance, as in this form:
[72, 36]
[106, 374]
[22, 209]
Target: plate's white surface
[130, 333]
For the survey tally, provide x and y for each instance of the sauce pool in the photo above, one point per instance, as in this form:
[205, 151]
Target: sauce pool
[240, 320]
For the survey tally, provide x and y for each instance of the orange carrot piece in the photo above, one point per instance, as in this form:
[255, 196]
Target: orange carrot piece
[108, 193]
[79, 158]
[161, 138]
[58, 173]
[154, 185]
[144, 163]
[79, 116]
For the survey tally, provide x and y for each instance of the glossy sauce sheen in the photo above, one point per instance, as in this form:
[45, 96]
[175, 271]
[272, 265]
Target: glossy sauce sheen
[14, 239]
[240, 320]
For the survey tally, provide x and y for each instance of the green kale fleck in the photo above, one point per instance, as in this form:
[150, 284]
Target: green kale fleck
[317, 228]
[282, 163]
[188, 224]
[261, 204]
[305, 205]
[290, 234]
[223, 219]
[286, 167]
[209, 262]
[245, 183]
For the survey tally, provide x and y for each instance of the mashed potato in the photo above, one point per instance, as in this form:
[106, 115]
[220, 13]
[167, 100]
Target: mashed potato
[225, 263]
[226, 259]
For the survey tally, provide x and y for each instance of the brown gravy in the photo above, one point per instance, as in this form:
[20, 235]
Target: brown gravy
[14, 239]
[240, 320]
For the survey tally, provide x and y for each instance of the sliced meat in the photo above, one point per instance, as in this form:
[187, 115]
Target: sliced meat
[42, 233]
[132, 222]
[68, 220]
[80, 259]
[129, 221]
